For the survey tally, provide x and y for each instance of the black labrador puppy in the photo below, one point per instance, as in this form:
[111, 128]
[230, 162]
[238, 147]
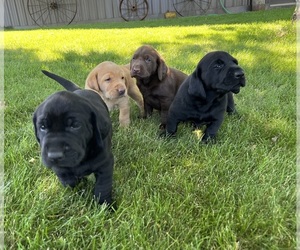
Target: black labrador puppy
[206, 94]
[74, 131]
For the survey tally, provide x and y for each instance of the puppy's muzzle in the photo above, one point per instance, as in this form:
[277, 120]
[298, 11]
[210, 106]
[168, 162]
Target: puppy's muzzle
[239, 73]
[121, 92]
[56, 153]
[60, 154]
[240, 76]
[135, 70]
[55, 156]
[238, 80]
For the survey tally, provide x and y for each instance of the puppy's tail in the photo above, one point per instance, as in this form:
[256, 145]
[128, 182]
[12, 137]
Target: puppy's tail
[68, 85]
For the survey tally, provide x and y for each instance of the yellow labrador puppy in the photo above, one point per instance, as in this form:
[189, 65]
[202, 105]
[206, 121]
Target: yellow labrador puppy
[114, 84]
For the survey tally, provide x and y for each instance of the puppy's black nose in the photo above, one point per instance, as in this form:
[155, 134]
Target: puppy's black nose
[121, 92]
[136, 69]
[239, 73]
[54, 156]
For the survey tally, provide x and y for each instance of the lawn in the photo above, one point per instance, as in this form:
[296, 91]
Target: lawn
[239, 193]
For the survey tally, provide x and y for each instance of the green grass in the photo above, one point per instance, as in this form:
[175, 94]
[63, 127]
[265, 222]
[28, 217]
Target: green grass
[171, 194]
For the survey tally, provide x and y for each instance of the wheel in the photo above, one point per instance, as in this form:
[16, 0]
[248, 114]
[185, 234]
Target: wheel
[47, 12]
[133, 9]
[191, 7]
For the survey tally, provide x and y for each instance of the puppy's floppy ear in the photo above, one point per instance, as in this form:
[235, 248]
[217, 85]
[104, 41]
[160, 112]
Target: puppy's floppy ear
[34, 119]
[196, 87]
[162, 68]
[92, 82]
[235, 61]
[101, 128]
[128, 78]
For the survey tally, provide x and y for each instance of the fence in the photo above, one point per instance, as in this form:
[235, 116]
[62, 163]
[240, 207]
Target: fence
[16, 13]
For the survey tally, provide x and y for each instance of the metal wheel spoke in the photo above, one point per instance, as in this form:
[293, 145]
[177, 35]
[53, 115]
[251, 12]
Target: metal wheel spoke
[140, 12]
[40, 10]
[47, 17]
[41, 15]
[63, 13]
[66, 8]
[202, 3]
[185, 6]
[130, 3]
[60, 17]
[199, 5]
[140, 4]
[141, 9]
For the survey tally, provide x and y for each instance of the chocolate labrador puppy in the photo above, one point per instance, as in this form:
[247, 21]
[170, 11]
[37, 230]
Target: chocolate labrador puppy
[74, 131]
[157, 82]
[206, 94]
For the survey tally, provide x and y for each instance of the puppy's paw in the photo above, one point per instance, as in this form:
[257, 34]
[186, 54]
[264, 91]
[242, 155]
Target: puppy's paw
[70, 181]
[230, 110]
[208, 139]
[162, 133]
[162, 127]
[141, 111]
[196, 126]
[233, 112]
[124, 123]
[142, 116]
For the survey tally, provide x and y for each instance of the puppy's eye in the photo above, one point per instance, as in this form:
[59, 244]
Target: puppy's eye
[123, 78]
[108, 79]
[43, 126]
[147, 59]
[73, 124]
[218, 65]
